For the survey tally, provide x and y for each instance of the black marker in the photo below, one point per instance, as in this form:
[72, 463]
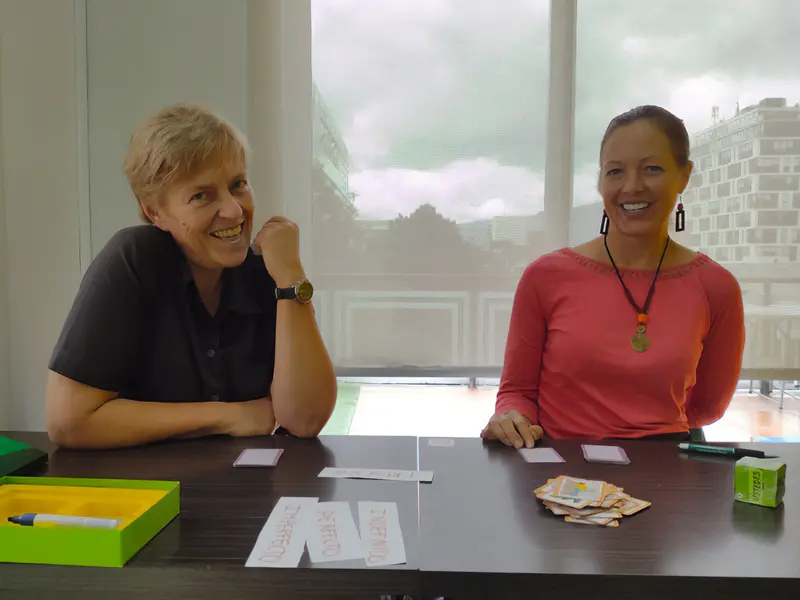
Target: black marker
[724, 451]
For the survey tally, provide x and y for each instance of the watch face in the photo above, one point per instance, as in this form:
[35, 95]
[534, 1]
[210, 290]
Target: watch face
[304, 291]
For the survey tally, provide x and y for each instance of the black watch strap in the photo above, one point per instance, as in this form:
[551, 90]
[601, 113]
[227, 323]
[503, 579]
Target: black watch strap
[289, 293]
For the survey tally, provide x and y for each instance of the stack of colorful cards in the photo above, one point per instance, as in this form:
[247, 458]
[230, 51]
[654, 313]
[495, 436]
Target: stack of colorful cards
[588, 502]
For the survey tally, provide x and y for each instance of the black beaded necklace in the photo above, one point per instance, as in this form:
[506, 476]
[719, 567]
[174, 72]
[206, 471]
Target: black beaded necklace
[640, 341]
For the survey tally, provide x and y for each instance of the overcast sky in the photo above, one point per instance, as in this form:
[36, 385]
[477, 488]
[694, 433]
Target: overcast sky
[444, 101]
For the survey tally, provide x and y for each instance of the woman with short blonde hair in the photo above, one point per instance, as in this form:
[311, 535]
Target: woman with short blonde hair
[182, 328]
[176, 142]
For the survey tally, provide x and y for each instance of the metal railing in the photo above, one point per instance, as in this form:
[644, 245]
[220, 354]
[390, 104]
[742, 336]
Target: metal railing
[472, 313]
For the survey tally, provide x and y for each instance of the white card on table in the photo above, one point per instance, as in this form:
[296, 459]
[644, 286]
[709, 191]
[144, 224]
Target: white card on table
[381, 537]
[442, 442]
[283, 538]
[258, 457]
[381, 474]
[605, 454]
[333, 534]
[541, 455]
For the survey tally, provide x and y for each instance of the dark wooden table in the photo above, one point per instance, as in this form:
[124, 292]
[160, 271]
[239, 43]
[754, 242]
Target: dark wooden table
[483, 534]
[202, 553]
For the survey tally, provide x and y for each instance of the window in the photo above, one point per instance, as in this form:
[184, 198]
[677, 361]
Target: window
[724, 190]
[777, 254]
[723, 221]
[744, 151]
[762, 236]
[734, 204]
[767, 252]
[780, 147]
[428, 175]
[777, 218]
[725, 157]
[764, 165]
[722, 254]
[768, 183]
[744, 219]
[715, 176]
[742, 253]
[763, 200]
[732, 237]
[744, 185]
[734, 170]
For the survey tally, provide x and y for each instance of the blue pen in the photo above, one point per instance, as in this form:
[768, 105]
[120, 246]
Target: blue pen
[34, 519]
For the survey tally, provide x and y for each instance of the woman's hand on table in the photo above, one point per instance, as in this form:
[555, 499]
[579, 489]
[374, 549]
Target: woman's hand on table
[513, 429]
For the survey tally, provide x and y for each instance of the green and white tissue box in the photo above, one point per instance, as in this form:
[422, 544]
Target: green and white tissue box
[760, 481]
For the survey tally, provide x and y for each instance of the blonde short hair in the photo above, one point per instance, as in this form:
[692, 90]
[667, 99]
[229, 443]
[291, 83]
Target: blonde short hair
[174, 143]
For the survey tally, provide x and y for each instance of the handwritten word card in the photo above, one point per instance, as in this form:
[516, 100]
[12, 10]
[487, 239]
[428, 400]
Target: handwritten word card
[381, 474]
[283, 538]
[332, 534]
[381, 537]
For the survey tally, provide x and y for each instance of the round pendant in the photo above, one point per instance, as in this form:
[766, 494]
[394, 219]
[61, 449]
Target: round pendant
[640, 342]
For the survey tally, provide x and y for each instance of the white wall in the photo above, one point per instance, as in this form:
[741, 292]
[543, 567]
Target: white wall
[39, 237]
[142, 56]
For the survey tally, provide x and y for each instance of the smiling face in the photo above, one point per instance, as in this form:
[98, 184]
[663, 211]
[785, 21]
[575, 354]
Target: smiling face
[640, 179]
[209, 213]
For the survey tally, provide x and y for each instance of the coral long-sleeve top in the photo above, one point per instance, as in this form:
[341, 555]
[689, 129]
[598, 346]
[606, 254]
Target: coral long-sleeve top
[569, 365]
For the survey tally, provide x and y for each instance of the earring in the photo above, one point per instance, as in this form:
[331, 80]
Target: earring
[680, 217]
[605, 223]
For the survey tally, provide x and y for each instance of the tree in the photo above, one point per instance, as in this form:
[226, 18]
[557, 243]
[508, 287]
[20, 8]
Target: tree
[426, 242]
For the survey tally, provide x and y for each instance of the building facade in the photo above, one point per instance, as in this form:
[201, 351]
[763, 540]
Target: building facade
[743, 200]
[330, 154]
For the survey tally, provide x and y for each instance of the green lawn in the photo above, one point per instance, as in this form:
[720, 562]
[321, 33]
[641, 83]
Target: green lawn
[346, 402]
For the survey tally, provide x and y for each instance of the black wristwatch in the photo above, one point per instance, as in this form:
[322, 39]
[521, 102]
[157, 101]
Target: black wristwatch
[302, 292]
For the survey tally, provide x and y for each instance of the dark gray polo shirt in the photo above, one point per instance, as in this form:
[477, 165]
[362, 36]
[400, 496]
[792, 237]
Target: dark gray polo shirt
[139, 328]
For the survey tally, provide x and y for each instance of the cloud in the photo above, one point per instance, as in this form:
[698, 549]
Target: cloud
[682, 54]
[463, 190]
[584, 184]
[444, 101]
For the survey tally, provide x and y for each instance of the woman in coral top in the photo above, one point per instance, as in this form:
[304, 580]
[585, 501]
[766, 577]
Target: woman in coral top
[630, 335]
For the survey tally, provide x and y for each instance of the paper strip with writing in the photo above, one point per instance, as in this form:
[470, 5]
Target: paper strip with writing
[332, 534]
[382, 474]
[381, 536]
[283, 537]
